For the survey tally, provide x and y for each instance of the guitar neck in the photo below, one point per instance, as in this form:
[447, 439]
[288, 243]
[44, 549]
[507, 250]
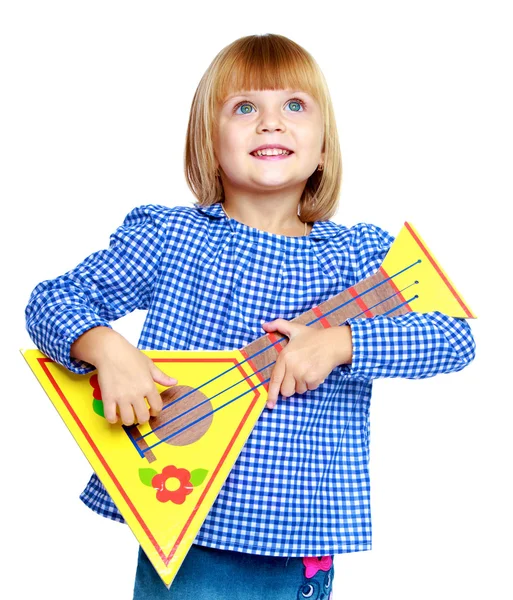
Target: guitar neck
[375, 295]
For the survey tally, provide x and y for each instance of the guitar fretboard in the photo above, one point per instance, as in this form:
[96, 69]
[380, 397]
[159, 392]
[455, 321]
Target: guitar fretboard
[375, 295]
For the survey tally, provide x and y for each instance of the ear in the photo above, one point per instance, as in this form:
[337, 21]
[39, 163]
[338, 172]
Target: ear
[323, 153]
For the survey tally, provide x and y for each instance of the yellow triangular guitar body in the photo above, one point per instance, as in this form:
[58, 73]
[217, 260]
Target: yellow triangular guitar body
[165, 477]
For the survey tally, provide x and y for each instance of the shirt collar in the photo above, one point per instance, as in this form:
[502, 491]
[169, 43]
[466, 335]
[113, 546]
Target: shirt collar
[321, 230]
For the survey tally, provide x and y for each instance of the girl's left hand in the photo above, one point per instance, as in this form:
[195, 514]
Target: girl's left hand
[308, 358]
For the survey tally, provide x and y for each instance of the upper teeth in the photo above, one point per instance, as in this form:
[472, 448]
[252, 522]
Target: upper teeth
[271, 152]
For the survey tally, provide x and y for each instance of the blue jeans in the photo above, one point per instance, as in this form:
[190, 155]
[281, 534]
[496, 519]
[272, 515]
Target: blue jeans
[210, 574]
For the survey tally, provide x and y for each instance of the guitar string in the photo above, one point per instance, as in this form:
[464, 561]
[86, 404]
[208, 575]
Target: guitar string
[265, 367]
[251, 375]
[233, 399]
[276, 342]
[323, 316]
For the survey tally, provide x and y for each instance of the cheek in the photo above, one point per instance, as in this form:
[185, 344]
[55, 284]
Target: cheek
[310, 134]
[315, 132]
[230, 143]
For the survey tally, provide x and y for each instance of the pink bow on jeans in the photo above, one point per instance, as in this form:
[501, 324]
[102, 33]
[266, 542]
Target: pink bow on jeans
[314, 564]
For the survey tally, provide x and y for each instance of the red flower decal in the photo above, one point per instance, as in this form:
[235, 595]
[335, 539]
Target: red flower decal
[314, 564]
[176, 496]
[97, 393]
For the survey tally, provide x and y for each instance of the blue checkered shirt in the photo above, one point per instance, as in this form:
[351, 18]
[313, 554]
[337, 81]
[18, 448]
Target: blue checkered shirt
[300, 486]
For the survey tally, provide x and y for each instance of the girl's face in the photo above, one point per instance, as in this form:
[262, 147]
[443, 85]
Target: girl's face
[264, 117]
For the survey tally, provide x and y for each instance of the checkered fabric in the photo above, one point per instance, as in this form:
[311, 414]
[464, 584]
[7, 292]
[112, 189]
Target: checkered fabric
[300, 486]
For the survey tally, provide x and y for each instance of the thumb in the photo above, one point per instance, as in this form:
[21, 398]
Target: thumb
[160, 377]
[281, 325]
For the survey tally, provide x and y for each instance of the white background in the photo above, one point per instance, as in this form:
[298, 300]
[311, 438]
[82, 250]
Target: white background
[94, 107]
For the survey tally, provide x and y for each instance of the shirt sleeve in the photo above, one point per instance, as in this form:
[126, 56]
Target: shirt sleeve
[107, 285]
[413, 345]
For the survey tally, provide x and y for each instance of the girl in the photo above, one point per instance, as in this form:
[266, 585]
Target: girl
[263, 160]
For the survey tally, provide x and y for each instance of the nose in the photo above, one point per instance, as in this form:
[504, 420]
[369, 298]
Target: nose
[270, 121]
[268, 125]
[270, 128]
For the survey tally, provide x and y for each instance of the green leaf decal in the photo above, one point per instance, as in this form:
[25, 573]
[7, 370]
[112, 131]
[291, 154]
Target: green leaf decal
[98, 407]
[146, 475]
[198, 476]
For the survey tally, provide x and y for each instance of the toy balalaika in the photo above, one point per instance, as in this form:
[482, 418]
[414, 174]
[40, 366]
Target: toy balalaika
[165, 475]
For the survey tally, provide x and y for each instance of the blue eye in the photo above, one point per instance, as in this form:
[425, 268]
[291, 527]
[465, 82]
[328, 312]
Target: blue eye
[299, 103]
[245, 112]
[294, 101]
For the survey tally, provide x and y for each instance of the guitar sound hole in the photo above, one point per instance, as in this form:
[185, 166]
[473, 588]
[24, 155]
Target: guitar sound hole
[177, 401]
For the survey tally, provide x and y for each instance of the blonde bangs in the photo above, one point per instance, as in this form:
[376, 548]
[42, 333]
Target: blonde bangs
[266, 63]
[261, 62]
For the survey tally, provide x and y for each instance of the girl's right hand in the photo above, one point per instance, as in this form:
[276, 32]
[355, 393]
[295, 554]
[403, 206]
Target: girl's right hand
[126, 376]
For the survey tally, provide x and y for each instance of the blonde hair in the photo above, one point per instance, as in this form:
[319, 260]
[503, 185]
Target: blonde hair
[261, 62]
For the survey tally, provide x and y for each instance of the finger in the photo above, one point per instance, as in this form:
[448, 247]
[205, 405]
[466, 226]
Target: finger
[275, 383]
[271, 325]
[280, 325]
[109, 411]
[301, 387]
[314, 385]
[288, 386]
[142, 413]
[126, 412]
[155, 402]
[160, 377]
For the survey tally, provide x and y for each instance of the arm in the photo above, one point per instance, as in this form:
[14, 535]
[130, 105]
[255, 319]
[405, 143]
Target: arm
[414, 346]
[107, 285]
[411, 346]
[68, 318]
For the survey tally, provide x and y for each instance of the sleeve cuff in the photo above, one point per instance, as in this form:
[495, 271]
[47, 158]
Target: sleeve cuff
[63, 357]
[357, 368]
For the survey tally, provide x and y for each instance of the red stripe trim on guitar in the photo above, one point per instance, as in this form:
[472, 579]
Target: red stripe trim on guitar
[360, 302]
[320, 315]
[438, 270]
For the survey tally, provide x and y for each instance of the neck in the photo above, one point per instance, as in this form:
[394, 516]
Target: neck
[291, 226]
